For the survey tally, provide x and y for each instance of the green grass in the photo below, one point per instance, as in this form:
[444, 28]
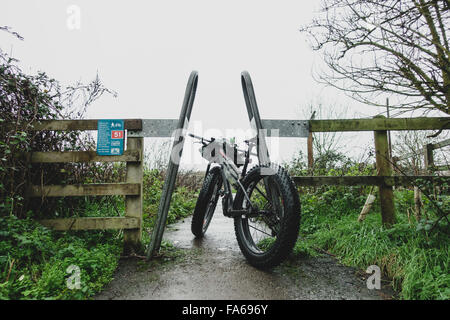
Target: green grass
[182, 204]
[34, 259]
[416, 259]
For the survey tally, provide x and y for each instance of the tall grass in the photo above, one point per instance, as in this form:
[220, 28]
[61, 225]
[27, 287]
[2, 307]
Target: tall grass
[413, 254]
[414, 258]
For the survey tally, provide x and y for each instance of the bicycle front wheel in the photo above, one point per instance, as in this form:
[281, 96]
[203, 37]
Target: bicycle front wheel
[267, 236]
[206, 202]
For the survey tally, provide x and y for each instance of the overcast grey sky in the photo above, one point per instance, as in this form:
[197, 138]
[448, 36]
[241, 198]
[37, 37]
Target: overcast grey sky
[145, 51]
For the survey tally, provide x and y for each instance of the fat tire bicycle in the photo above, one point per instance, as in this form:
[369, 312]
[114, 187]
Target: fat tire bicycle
[265, 207]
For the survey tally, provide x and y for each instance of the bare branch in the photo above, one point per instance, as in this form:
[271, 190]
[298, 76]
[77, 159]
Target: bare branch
[396, 47]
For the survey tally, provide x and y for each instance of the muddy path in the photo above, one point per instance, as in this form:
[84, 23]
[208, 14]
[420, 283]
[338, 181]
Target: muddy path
[214, 268]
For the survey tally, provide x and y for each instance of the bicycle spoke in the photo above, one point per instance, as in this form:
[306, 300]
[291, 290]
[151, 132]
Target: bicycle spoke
[257, 189]
[259, 230]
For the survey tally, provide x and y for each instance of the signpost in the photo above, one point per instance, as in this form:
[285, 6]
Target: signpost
[110, 137]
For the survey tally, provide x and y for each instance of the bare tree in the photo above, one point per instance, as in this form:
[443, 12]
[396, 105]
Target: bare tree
[326, 142]
[409, 148]
[397, 47]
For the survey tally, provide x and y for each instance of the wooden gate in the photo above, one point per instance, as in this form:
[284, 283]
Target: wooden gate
[131, 223]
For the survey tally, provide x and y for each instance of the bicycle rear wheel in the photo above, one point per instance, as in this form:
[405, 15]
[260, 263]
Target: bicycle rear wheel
[267, 237]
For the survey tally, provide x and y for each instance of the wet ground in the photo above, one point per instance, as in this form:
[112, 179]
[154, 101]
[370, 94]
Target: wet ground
[214, 268]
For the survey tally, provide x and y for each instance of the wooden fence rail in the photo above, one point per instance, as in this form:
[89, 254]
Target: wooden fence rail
[379, 123]
[73, 125]
[391, 181]
[82, 156]
[131, 223]
[384, 179]
[94, 189]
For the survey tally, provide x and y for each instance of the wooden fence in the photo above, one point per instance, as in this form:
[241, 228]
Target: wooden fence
[429, 165]
[131, 223]
[429, 158]
[427, 153]
[384, 179]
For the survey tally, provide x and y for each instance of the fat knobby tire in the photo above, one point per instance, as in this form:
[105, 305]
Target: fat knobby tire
[206, 194]
[289, 225]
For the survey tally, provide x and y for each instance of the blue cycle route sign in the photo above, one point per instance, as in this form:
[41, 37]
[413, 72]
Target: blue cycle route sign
[110, 137]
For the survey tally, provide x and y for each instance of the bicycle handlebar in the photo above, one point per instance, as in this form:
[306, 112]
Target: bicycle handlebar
[199, 138]
[212, 139]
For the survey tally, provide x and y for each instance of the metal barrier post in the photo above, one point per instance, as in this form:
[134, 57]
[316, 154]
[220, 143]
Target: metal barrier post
[169, 182]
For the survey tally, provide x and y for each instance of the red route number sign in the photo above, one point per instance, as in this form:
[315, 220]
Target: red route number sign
[117, 134]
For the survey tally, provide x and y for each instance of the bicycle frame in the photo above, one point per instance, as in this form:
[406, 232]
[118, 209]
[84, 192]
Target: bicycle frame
[219, 152]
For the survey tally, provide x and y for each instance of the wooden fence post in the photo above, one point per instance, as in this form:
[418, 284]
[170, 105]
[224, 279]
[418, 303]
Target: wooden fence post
[133, 203]
[428, 154]
[310, 153]
[310, 147]
[384, 169]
